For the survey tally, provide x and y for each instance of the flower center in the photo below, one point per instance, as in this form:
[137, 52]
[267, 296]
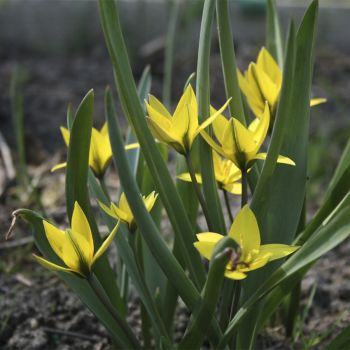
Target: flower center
[236, 261]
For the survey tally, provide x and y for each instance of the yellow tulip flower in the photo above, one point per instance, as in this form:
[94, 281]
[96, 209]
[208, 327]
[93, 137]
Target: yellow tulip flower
[263, 82]
[75, 246]
[100, 153]
[180, 130]
[250, 255]
[123, 212]
[226, 175]
[240, 144]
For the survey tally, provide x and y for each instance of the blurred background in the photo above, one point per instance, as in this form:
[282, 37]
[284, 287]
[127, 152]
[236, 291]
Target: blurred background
[52, 52]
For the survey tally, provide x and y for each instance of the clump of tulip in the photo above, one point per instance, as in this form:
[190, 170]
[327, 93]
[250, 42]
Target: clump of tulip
[254, 157]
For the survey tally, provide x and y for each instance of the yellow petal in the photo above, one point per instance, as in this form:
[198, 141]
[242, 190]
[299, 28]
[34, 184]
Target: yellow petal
[317, 101]
[70, 256]
[187, 177]
[256, 100]
[158, 106]
[81, 224]
[245, 231]
[280, 159]
[252, 93]
[158, 118]
[183, 114]
[193, 117]
[150, 200]
[207, 242]
[261, 128]
[106, 243]
[235, 275]
[104, 130]
[65, 134]
[100, 152]
[162, 134]
[58, 166]
[211, 119]
[49, 265]
[132, 146]
[219, 125]
[108, 210]
[237, 138]
[269, 90]
[277, 251]
[234, 188]
[267, 63]
[123, 215]
[212, 143]
[285, 160]
[256, 264]
[123, 210]
[84, 249]
[123, 203]
[56, 237]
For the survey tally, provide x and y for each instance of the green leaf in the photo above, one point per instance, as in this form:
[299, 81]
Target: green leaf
[199, 323]
[209, 185]
[174, 7]
[228, 60]
[78, 156]
[77, 191]
[281, 189]
[335, 230]
[70, 116]
[17, 114]
[134, 112]
[171, 267]
[273, 33]
[154, 275]
[143, 89]
[337, 190]
[282, 290]
[341, 341]
[265, 198]
[77, 284]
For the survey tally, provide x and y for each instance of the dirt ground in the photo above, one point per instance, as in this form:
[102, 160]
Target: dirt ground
[37, 311]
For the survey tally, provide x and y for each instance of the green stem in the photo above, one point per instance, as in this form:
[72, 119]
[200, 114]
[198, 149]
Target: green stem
[235, 302]
[238, 285]
[244, 188]
[226, 302]
[98, 290]
[198, 190]
[228, 207]
[294, 300]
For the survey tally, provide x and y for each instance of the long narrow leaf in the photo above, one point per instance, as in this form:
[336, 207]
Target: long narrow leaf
[77, 190]
[203, 96]
[199, 323]
[134, 112]
[341, 341]
[228, 60]
[264, 190]
[273, 33]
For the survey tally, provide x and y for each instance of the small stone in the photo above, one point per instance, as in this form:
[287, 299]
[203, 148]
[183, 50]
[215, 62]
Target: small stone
[33, 323]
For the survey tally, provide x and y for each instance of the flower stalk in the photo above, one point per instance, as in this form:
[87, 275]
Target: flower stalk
[198, 190]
